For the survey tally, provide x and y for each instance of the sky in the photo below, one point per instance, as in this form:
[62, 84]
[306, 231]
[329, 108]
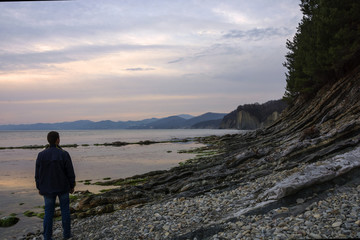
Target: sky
[135, 59]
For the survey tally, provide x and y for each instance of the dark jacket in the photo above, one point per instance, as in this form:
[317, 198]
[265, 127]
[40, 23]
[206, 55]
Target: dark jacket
[54, 172]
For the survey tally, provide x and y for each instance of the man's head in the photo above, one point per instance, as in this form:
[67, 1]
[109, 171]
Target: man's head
[53, 137]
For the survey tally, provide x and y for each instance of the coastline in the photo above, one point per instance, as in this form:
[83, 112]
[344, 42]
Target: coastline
[233, 212]
[234, 209]
[22, 196]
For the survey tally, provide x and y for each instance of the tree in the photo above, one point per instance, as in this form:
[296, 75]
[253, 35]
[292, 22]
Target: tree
[327, 37]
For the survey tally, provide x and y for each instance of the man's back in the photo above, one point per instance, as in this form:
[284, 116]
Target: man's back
[55, 177]
[54, 171]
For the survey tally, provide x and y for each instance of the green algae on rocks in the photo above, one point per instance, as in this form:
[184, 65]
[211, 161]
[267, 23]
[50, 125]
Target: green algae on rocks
[8, 221]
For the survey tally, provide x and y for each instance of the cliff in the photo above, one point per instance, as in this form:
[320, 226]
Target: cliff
[253, 116]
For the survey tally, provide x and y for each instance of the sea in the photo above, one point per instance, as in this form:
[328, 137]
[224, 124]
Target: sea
[92, 162]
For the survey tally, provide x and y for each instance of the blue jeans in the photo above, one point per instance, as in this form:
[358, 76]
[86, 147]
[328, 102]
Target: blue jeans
[49, 215]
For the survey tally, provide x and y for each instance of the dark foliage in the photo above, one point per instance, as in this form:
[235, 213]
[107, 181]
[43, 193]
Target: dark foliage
[326, 42]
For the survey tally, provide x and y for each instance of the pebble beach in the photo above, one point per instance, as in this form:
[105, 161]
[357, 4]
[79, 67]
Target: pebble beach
[214, 215]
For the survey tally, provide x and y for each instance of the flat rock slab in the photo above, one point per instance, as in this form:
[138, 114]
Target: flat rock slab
[315, 173]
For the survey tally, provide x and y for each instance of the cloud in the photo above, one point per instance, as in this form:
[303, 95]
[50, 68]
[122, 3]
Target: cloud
[91, 57]
[202, 55]
[39, 59]
[176, 60]
[257, 34]
[139, 69]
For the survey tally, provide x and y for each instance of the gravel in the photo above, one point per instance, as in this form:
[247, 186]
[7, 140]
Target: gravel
[213, 216]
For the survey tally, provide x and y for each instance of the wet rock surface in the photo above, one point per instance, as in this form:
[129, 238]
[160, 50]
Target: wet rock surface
[296, 179]
[8, 221]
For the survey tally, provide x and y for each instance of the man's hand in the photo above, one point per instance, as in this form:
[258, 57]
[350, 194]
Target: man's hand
[72, 190]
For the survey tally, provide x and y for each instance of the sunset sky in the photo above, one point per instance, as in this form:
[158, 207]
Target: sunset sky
[136, 59]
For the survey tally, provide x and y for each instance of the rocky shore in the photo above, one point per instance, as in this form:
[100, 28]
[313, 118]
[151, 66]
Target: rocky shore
[211, 216]
[296, 179]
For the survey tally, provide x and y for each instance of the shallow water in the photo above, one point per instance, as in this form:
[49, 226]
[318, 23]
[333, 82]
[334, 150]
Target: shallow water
[17, 166]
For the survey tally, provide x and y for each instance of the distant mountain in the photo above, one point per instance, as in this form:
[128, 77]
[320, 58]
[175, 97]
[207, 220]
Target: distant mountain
[172, 122]
[248, 116]
[80, 125]
[211, 124]
[185, 116]
[179, 122]
[204, 118]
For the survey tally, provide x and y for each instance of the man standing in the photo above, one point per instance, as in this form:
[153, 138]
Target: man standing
[55, 177]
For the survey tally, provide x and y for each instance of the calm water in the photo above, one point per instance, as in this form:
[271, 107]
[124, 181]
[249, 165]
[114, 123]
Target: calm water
[17, 166]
